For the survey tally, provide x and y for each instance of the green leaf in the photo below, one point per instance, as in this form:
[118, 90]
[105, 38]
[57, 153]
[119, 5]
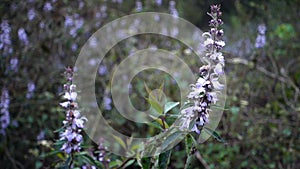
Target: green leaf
[164, 159]
[67, 162]
[88, 159]
[169, 106]
[145, 163]
[214, 134]
[120, 141]
[59, 130]
[155, 125]
[218, 107]
[155, 104]
[51, 153]
[188, 162]
[115, 163]
[188, 143]
[170, 139]
[186, 105]
[130, 162]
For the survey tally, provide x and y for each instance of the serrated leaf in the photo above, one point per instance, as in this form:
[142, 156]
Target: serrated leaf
[169, 106]
[214, 134]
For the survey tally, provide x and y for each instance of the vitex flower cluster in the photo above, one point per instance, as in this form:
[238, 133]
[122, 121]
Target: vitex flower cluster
[4, 110]
[203, 93]
[261, 38]
[5, 40]
[74, 122]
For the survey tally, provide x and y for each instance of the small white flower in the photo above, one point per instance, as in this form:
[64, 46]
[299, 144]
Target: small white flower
[206, 34]
[201, 81]
[79, 123]
[216, 55]
[208, 41]
[221, 59]
[65, 104]
[219, 69]
[196, 92]
[220, 43]
[73, 87]
[76, 114]
[217, 85]
[70, 96]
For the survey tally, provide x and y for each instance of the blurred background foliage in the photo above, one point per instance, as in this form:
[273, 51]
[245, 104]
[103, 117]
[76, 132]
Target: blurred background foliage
[261, 123]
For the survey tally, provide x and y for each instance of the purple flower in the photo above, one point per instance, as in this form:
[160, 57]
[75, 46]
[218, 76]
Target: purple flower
[4, 110]
[5, 40]
[30, 90]
[47, 7]
[172, 8]
[73, 122]
[138, 6]
[203, 93]
[23, 36]
[14, 64]
[260, 41]
[31, 14]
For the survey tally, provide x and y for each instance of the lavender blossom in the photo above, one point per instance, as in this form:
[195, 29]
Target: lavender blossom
[102, 151]
[30, 90]
[74, 22]
[102, 70]
[138, 6]
[172, 8]
[4, 110]
[107, 102]
[23, 36]
[13, 64]
[74, 122]
[31, 14]
[41, 136]
[5, 40]
[47, 7]
[202, 93]
[158, 2]
[261, 38]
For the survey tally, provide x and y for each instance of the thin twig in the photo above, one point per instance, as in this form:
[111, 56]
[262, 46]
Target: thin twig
[13, 161]
[200, 158]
